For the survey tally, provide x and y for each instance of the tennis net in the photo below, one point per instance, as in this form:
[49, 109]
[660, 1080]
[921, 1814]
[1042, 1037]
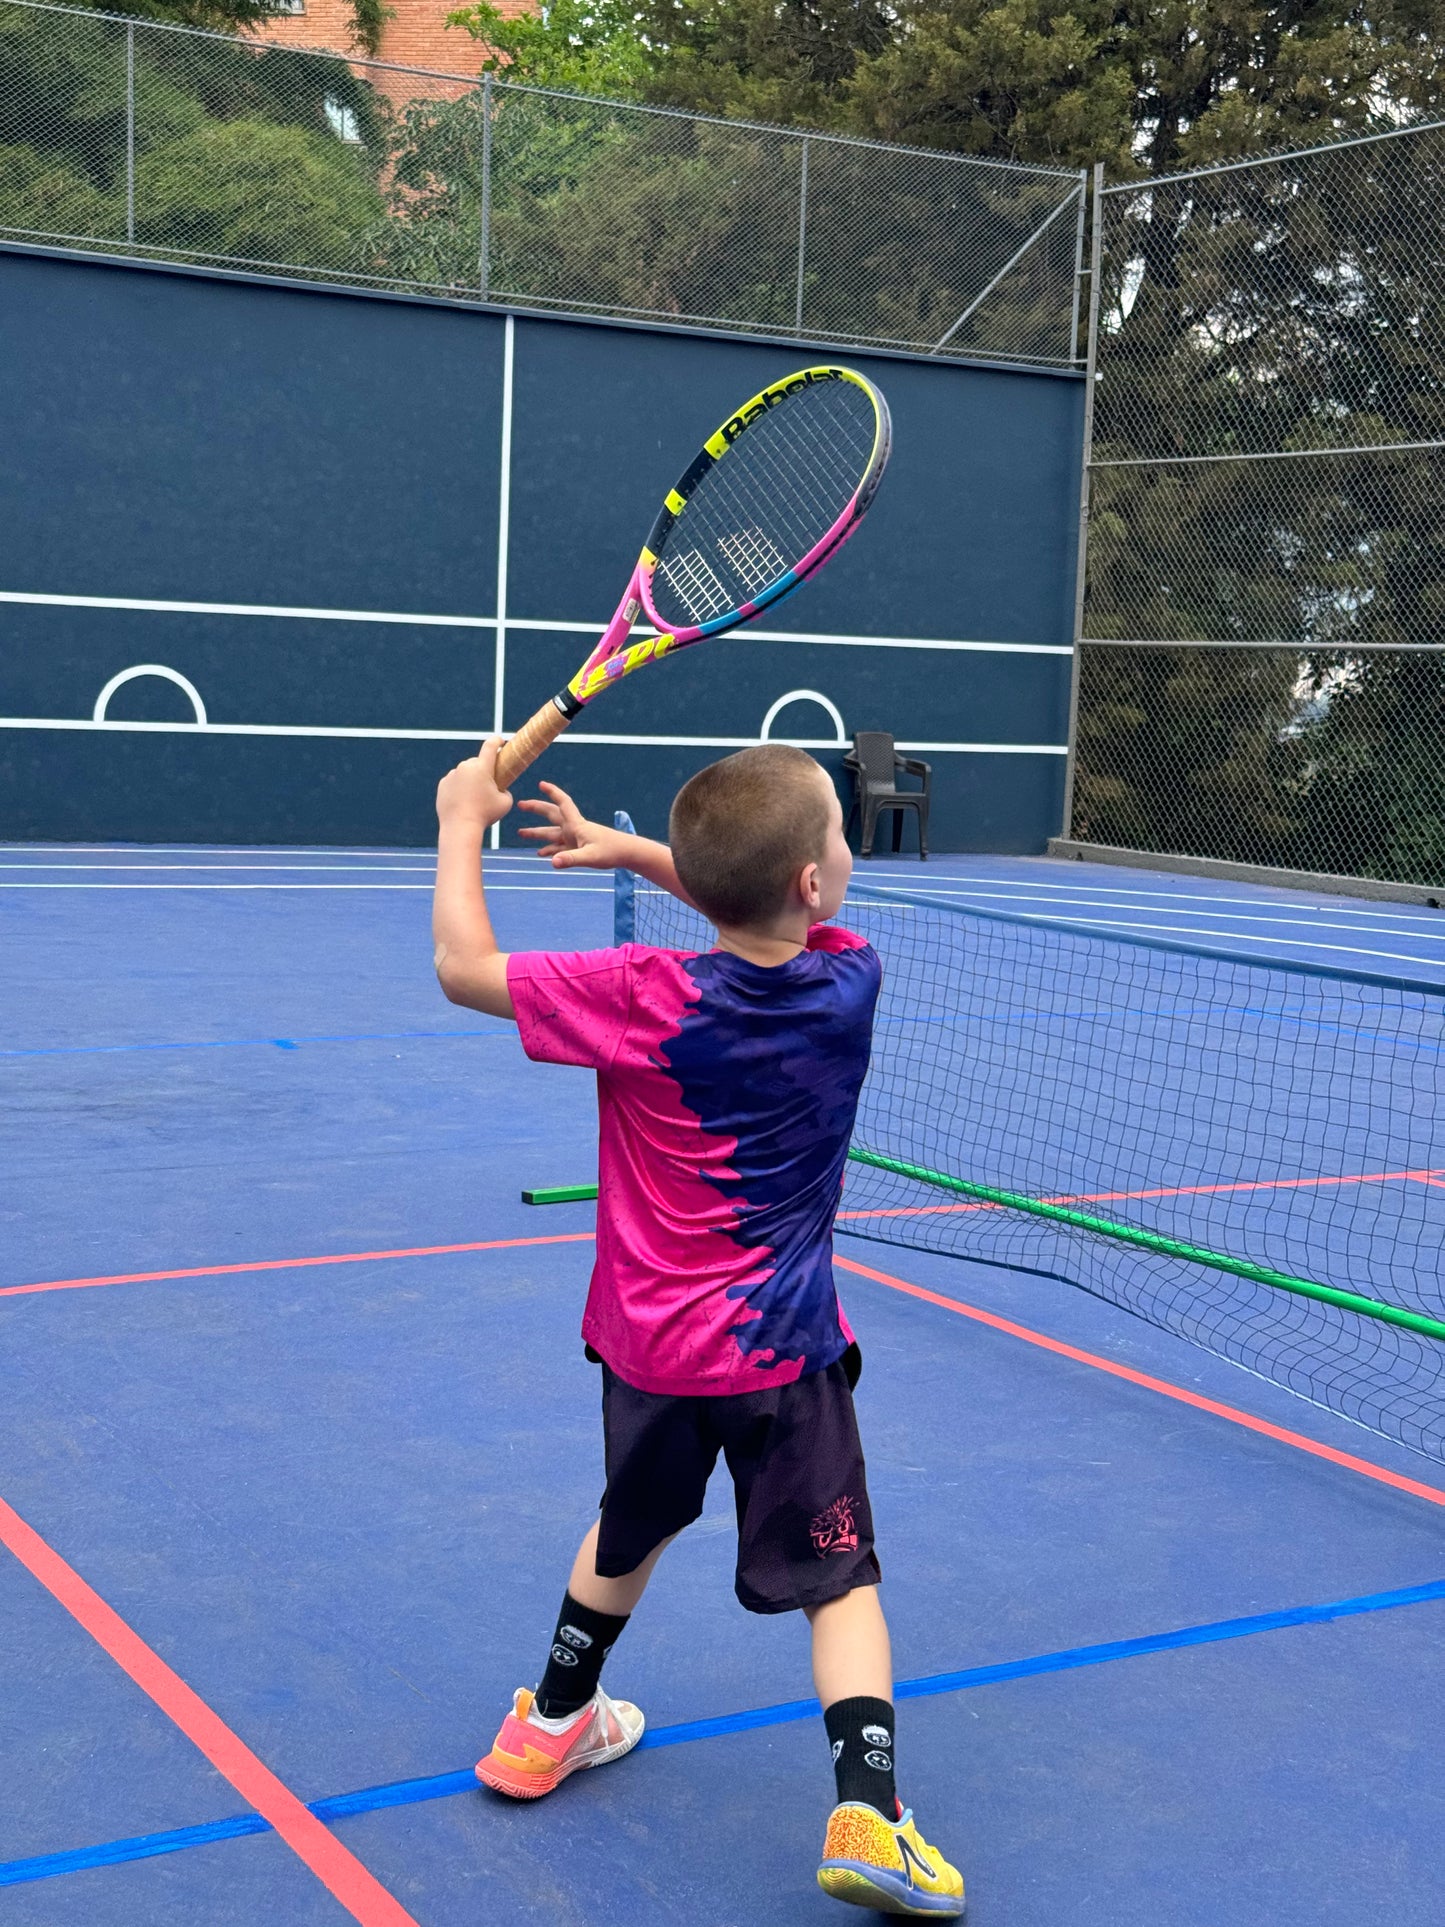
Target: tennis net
[1250, 1155]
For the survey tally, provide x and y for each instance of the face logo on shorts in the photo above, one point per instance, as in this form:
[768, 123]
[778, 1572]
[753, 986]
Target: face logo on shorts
[877, 1736]
[563, 1657]
[575, 1636]
[880, 1762]
[835, 1530]
[837, 1751]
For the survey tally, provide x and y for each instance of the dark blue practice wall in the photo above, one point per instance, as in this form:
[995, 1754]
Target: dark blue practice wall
[167, 435]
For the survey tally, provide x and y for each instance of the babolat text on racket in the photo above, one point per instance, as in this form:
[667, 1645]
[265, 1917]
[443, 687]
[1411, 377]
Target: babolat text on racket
[778, 489]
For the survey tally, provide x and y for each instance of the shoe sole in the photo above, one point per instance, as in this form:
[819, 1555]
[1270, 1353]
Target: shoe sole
[531, 1786]
[872, 1887]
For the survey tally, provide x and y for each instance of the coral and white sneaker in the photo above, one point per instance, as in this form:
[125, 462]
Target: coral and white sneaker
[887, 1865]
[531, 1755]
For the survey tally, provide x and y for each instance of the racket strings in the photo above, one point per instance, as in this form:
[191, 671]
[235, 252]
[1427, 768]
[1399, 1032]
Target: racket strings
[767, 502]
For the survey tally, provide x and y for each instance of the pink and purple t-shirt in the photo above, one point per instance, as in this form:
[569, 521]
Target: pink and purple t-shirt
[726, 1097]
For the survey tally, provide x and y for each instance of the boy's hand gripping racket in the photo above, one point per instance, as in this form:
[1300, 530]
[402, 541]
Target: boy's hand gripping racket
[778, 489]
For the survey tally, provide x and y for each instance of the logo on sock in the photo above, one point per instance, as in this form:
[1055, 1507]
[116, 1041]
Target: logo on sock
[834, 1530]
[879, 1761]
[877, 1736]
[837, 1751]
[563, 1657]
[574, 1636]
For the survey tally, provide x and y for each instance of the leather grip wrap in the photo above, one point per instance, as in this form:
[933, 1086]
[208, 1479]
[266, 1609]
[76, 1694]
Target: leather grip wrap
[529, 742]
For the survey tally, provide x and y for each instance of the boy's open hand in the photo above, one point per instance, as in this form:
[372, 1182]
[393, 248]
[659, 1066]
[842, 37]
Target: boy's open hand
[469, 793]
[568, 839]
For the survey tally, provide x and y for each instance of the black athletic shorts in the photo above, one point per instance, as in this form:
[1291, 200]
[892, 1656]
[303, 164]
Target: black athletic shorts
[805, 1530]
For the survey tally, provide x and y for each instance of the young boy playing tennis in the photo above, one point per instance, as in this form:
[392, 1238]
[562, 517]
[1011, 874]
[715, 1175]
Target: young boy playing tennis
[727, 1087]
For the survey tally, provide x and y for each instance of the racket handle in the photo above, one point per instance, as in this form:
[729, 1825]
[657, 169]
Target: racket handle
[529, 742]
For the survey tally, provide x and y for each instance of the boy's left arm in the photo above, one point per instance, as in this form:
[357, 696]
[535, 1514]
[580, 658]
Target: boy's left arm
[470, 968]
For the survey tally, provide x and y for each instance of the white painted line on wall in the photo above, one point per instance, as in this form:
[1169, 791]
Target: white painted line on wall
[158, 607]
[504, 525]
[573, 738]
[151, 606]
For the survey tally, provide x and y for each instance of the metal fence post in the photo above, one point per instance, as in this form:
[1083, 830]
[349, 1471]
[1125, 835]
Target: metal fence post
[486, 257]
[802, 235]
[1078, 264]
[1096, 256]
[130, 133]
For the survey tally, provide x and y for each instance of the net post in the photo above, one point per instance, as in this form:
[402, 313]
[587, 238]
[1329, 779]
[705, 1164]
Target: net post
[1091, 363]
[624, 888]
[130, 132]
[484, 263]
[802, 234]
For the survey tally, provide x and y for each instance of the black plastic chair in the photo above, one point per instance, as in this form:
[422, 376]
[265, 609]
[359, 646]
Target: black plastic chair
[875, 766]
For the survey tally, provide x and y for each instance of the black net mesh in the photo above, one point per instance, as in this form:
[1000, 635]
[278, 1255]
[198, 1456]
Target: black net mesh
[1279, 1117]
[764, 504]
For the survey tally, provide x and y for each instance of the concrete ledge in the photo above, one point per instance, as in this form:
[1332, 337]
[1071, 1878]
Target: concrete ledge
[1205, 866]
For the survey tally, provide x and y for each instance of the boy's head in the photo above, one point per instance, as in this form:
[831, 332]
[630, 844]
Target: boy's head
[760, 834]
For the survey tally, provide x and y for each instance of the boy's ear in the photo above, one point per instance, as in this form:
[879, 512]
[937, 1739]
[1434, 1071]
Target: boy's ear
[808, 886]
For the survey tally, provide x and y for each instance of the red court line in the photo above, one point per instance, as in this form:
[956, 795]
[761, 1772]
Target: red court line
[1175, 1191]
[335, 1866]
[293, 1264]
[1160, 1385]
[1165, 1389]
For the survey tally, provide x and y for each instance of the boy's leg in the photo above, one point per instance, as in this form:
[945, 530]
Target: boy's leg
[569, 1722]
[874, 1855]
[594, 1611]
[853, 1674]
[806, 1539]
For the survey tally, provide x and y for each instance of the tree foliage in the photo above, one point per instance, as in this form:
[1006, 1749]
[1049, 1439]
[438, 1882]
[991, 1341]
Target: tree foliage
[235, 152]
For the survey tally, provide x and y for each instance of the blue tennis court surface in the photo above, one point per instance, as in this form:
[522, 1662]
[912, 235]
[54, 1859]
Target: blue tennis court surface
[304, 1407]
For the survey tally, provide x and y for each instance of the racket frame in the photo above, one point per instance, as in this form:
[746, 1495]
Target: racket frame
[614, 655]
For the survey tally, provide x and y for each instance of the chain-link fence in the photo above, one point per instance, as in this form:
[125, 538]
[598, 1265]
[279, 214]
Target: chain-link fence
[1267, 462]
[137, 138]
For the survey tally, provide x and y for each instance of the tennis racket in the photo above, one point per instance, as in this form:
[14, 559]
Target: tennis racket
[778, 489]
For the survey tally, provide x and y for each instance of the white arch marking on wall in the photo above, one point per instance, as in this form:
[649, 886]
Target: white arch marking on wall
[102, 701]
[803, 696]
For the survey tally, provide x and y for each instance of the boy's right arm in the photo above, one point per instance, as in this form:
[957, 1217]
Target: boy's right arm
[571, 842]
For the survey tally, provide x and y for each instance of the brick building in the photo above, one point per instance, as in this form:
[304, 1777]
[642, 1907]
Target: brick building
[416, 36]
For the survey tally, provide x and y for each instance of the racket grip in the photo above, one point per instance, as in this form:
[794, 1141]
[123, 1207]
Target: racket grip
[529, 742]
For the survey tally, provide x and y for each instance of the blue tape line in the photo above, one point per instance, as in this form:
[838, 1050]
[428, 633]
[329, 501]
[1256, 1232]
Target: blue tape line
[241, 1043]
[115, 1852]
[441, 1786]
[444, 1785]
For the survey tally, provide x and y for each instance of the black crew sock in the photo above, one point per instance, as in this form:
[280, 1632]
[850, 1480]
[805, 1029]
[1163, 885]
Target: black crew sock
[582, 1641]
[861, 1731]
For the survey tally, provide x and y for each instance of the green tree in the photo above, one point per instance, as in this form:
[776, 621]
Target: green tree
[586, 46]
[246, 191]
[368, 17]
[216, 124]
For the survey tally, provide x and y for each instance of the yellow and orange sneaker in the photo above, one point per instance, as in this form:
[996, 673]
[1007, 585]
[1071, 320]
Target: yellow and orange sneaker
[887, 1865]
[530, 1755]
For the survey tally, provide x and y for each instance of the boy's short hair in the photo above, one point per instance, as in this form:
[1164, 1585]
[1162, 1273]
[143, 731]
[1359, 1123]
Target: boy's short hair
[742, 829]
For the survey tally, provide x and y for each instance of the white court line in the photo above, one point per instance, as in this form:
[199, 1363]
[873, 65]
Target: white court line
[1001, 884]
[1292, 920]
[522, 889]
[304, 869]
[1224, 937]
[152, 606]
[204, 849]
